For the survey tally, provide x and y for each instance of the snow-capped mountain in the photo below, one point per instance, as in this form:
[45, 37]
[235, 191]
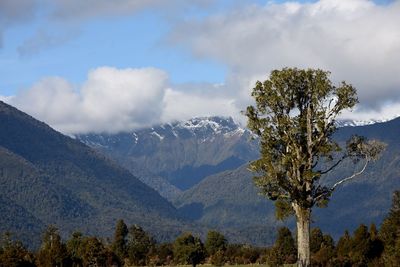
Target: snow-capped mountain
[355, 123]
[182, 152]
[202, 128]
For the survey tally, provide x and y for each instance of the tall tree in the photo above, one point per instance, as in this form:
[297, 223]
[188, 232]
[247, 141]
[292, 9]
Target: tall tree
[119, 243]
[390, 233]
[53, 252]
[75, 249]
[294, 117]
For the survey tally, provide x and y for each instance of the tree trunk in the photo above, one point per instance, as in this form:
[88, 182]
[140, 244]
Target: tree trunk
[303, 236]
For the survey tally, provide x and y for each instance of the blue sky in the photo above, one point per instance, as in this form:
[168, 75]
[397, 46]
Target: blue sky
[201, 51]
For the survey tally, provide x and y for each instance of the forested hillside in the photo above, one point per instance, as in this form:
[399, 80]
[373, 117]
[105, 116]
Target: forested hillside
[48, 178]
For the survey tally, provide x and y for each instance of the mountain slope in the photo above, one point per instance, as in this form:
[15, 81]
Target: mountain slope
[183, 153]
[62, 181]
[230, 198]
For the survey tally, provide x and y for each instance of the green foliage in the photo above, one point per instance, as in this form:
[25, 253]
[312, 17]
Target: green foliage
[14, 254]
[242, 254]
[49, 178]
[93, 252]
[139, 246]
[344, 245]
[363, 249]
[215, 242]
[295, 118]
[75, 248]
[52, 251]
[390, 232]
[361, 245]
[163, 254]
[120, 239]
[284, 249]
[216, 245]
[322, 248]
[316, 240]
[283, 209]
[218, 258]
[189, 249]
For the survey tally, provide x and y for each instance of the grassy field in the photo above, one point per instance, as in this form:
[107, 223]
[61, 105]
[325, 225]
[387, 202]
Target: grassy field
[234, 265]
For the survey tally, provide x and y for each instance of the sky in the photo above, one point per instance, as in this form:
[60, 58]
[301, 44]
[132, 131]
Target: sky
[110, 66]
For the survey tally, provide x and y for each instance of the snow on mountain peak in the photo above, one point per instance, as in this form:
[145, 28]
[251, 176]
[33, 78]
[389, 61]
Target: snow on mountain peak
[354, 123]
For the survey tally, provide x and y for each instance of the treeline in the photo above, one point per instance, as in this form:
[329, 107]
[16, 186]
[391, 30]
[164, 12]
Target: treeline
[134, 247]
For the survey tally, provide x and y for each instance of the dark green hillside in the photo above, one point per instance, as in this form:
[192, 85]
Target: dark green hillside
[226, 198]
[229, 201]
[54, 179]
[19, 221]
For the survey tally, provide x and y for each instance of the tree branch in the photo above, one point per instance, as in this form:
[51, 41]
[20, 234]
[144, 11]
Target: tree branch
[333, 166]
[350, 177]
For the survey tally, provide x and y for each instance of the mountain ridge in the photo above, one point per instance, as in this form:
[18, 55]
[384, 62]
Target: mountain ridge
[182, 153]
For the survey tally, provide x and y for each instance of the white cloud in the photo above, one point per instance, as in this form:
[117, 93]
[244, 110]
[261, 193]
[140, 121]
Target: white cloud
[357, 40]
[110, 100]
[113, 100]
[181, 105]
[387, 111]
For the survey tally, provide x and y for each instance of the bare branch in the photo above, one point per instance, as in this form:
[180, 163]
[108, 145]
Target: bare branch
[350, 177]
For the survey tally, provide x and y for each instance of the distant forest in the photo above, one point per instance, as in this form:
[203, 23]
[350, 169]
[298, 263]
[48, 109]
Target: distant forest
[132, 246]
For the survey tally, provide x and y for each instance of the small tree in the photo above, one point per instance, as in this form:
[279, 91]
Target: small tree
[294, 117]
[14, 254]
[215, 242]
[390, 233]
[343, 246]
[52, 252]
[139, 245]
[119, 244]
[284, 249]
[326, 254]
[93, 252]
[75, 249]
[216, 246]
[316, 240]
[189, 250]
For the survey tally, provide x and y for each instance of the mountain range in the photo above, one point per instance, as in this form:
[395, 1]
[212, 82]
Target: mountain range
[182, 153]
[223, 195]
[182, 176]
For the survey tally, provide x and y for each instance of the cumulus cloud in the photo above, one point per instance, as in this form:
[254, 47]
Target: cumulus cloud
[357, 40]
[114, 100]
[111, 100]
[180, 105]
